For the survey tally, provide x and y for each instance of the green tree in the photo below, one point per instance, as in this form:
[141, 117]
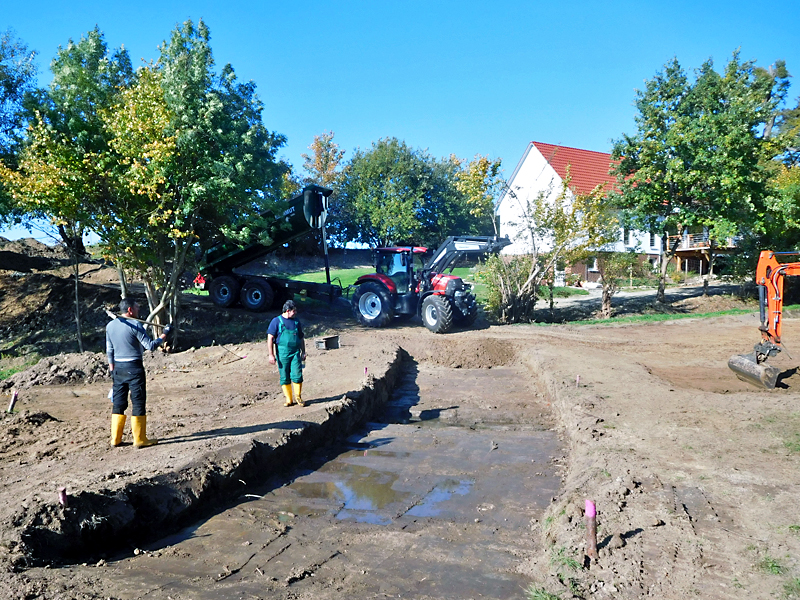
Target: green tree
[599, 232]
[789, 128]
[193, 162]
[60, 174]
[556, 228]
[17, 77]
[699, 156]
[393, 194]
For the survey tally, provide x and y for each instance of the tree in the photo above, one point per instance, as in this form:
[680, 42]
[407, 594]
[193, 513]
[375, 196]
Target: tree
[192, 162]
[556, 228]
[699, 156]
[393, 194]
[60, 174]
[481, 183]
[17, 77]
[323, 164]
[789, 130]
[599, 233]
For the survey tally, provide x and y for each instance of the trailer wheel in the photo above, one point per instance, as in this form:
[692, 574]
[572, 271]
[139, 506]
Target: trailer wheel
[256, 295]
[372, 305]
[437, 314]
[224, 291]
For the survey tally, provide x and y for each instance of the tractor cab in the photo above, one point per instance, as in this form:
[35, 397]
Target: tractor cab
[400, 264]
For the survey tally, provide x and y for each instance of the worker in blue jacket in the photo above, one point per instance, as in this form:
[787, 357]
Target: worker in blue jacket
[287, 348]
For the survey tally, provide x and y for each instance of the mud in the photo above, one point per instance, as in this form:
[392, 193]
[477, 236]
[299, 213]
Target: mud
[694, 473]
[395, 509]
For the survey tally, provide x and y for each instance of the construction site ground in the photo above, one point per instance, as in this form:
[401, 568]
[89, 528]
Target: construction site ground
[694, 473]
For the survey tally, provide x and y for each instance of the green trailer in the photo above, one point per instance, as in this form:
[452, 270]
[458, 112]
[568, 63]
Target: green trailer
[305, 213]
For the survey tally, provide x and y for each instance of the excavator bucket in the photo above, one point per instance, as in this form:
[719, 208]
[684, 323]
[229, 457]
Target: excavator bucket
[748, 369]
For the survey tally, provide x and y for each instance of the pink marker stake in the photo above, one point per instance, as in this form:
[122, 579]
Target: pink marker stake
[591, 530]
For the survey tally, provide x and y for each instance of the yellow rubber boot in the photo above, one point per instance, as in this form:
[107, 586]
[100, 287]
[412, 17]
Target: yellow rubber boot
[298, 387]
[139, 429]
[287, 391]
[117, 425]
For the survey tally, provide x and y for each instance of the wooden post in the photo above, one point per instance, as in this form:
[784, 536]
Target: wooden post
[13, 401]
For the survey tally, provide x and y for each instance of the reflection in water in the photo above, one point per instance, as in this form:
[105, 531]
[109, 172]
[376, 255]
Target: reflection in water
[442, 492]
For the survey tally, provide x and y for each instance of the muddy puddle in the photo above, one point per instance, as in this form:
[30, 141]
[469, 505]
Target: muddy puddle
[427, 502]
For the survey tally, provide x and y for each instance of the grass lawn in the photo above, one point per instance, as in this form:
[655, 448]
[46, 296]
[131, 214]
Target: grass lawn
[348, 277]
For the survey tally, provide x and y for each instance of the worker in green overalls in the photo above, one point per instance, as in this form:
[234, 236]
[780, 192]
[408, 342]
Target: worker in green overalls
[287, 348]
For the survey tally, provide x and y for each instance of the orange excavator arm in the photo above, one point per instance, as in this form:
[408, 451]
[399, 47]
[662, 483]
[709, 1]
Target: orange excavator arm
[770, 274]
[769, 278]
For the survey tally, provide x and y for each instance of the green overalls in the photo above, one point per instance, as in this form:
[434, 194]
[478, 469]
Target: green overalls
[288, 354]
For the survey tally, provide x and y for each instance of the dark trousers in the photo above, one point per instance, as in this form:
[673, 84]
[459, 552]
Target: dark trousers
[129, 376]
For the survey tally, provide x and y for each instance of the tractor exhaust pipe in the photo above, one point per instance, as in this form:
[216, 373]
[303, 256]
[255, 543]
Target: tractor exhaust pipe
[748, 369]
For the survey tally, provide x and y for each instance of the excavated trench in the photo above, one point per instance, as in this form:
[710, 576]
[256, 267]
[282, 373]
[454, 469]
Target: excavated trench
[432, 498]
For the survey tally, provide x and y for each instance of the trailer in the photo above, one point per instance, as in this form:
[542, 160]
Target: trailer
[220, 263]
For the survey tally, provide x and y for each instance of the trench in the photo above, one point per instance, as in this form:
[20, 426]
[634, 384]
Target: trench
[433, 498]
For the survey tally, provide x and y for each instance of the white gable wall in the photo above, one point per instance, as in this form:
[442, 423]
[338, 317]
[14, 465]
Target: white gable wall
[532, 176]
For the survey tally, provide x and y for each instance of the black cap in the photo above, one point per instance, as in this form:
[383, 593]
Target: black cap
[289, 305]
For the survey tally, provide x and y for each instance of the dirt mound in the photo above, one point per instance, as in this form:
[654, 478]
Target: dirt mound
[86, 367]
[28, 255]
[714, 303]
[460, 354]
[39, 309]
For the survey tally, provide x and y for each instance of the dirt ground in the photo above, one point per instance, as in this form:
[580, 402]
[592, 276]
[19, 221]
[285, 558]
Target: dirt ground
[694, 473]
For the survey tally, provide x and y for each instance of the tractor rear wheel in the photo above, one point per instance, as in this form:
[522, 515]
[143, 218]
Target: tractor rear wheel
[437, 314]
[224, 291]
[256, 295]
[372, 305]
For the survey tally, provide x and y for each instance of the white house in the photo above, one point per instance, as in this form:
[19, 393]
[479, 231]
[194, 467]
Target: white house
[543, 169]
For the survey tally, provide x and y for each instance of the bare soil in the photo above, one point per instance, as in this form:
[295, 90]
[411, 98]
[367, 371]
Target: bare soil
[694, 473]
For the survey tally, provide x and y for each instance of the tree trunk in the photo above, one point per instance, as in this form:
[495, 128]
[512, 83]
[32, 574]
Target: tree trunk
[123, 283]
[606, 309]
[711, 256]
[76, 273]
[669, 254]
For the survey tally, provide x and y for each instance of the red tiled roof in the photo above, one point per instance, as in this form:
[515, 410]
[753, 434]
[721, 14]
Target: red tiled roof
[587, 168]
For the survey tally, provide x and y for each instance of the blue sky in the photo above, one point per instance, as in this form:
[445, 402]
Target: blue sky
[460, 78]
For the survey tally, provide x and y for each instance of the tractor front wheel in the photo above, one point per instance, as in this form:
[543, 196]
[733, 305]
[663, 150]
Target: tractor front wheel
[372, 305]
[437, 314]
[467, 318]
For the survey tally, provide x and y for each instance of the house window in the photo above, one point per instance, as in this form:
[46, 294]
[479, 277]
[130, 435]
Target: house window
[626, 236]
[592, 262]
[652, 239]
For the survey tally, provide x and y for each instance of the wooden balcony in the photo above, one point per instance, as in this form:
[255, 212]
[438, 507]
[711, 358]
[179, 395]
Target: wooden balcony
[699, 242]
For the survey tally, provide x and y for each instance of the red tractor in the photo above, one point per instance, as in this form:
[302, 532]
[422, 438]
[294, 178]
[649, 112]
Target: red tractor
[404, 286]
